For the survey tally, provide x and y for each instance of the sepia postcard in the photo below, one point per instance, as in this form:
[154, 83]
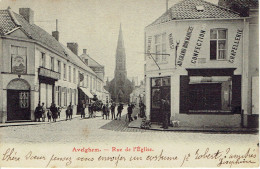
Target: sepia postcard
[129, 83]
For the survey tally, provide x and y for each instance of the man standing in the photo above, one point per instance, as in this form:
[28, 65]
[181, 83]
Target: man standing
[113, 111]
[54, 112]
[43, 112]
[129, 112]
[119, 110]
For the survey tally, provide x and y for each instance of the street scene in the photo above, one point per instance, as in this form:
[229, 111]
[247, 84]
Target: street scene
[162, 72]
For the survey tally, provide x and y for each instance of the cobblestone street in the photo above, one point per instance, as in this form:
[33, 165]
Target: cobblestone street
[98, 130]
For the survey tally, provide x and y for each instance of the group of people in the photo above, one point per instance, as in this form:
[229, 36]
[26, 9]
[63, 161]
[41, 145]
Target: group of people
[52, 113]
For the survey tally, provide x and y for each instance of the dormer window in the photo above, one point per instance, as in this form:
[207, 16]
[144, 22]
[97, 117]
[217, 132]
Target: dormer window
[200, 8]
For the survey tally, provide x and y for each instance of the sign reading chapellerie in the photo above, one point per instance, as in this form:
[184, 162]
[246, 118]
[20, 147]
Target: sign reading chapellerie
[185, 46]
[198, 46]
[235, 45]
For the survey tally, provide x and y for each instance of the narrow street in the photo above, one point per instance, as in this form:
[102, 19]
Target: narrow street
[99, 130]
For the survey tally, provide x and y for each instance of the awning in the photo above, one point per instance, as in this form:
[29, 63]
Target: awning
[87, 92]
[211, 79]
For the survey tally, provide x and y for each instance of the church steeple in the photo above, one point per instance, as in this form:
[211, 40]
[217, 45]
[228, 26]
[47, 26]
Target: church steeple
[120, 54]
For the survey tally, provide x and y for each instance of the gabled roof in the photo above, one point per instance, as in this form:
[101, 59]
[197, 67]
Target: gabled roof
[95, 62]
[187, 9]
[10, 21]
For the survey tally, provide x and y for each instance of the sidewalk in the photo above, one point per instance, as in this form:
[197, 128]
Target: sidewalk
[62, 118]
[240, 130]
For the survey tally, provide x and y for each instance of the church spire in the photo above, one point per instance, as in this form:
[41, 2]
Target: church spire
[120, 52]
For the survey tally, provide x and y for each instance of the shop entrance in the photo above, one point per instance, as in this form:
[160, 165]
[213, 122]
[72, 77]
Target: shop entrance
[18, 100]
[161, 89]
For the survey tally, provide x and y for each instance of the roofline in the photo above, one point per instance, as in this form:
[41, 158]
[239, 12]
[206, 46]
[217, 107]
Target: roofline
[200, 19]
[46, 47]
[91, 58]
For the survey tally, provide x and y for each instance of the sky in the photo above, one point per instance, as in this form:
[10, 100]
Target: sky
[94, 25]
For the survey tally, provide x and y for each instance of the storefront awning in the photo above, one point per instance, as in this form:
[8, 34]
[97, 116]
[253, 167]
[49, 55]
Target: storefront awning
[87, 92]
[213, 79]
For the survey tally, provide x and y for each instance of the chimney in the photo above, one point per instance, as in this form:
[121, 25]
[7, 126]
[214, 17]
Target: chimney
[73, 47]
[55, 34]
[84, 51]
[28, 14]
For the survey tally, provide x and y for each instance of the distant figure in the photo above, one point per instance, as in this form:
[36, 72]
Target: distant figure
[82, 111]
[90, 112]
[69, 112]
[142, 109]
[59, 110]
[129, 112]
[103, 111]
[113, 111]
[38, 112]
[107, 112]
[164, 108]
[43, 112]
[119, 110]
[54, 112]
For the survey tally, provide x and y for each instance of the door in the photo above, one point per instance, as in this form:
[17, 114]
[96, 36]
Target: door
[161, 89]
[18, 105]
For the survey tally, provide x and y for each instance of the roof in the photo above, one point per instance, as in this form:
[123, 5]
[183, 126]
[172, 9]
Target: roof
[187, 9]
[75, 59]
[10, 21]
[96, 63]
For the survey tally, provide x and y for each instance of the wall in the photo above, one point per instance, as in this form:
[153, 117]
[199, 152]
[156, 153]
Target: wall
[178, 29]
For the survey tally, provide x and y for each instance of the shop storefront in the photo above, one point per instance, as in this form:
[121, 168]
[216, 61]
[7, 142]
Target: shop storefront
[210, 91]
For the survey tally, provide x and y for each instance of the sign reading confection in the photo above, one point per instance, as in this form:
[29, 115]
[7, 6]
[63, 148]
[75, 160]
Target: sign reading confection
[185, 46]
[235, 45]
[198, 46]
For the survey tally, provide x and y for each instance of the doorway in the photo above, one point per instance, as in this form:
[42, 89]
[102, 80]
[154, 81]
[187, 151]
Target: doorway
[161, 89]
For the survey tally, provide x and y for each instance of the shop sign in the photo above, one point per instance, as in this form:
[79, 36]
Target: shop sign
[171, 41]
[149, 44]
[48, 73]
[185, 46]
[198, 46]
[18, 64]
[235, 45]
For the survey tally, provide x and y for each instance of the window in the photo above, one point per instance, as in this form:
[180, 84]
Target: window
[86, 61]
[160, 47]
[87, 81]
[43, 60]
[69, 74]
[18, 59]
[218, 44]
[59, 68]
[64, 72]
[74, 75]
[52, 63]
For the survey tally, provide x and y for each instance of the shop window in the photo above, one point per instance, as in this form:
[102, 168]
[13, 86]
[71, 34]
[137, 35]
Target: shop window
[218, 44]
[59, 67]
[18, 59]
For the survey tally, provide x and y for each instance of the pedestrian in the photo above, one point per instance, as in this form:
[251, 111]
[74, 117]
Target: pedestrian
[165, 113]
[94, 109]
[112, 111]
[43, 112]
[103, 111]
[107, 112]
[54, 112]
[129, 112]
[82, 111]
[90, 112]
[119, 110]
[38, 112]
[69, 111]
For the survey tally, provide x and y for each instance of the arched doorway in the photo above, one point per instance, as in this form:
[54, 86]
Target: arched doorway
[18, 100]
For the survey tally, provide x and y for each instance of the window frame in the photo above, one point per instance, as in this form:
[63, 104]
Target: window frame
[160, 43]
[217, 44]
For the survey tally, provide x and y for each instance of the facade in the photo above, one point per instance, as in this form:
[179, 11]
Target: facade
[250, 8]
[120, 87]
[37, 68]
[138, 94]
[197, 58]
[99, 70]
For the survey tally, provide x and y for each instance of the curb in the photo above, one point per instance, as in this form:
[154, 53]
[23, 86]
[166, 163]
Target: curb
[33, 123]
